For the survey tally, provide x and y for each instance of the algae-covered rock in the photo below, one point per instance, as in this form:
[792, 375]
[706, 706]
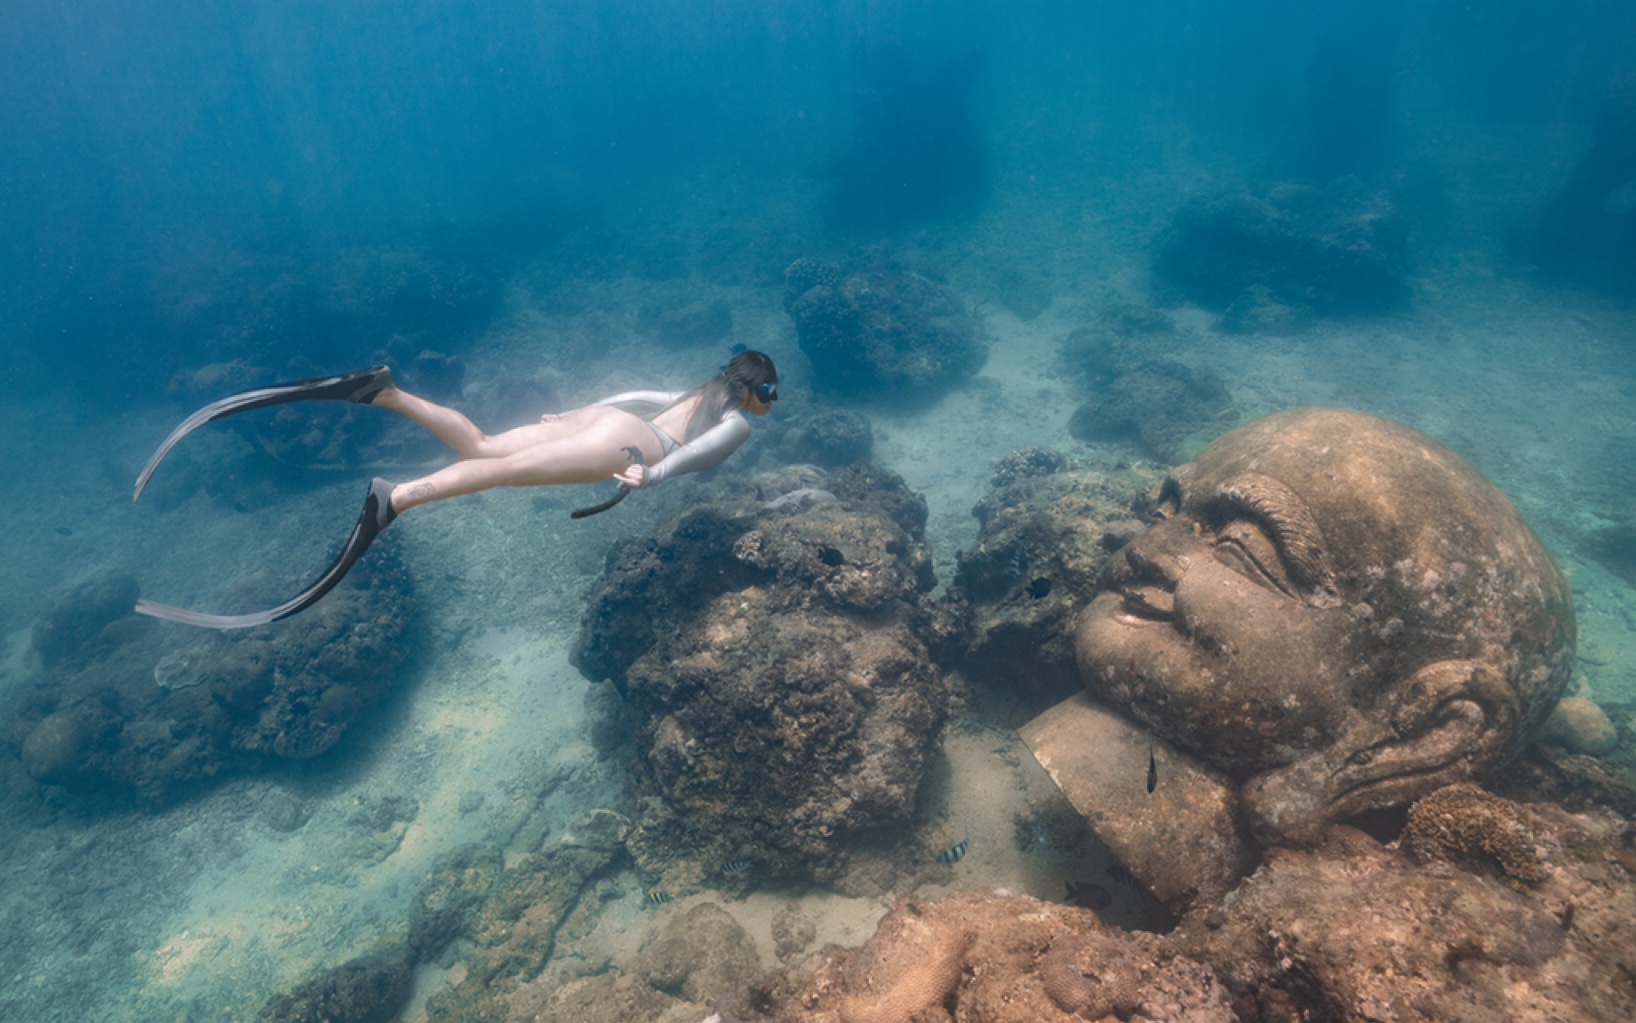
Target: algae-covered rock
[513, 931]
[69, 630]
[370, 989]
[140, 708]
[1580, 726]
[778, 660]
[874, 328]
[1047, 526]
[699, 956]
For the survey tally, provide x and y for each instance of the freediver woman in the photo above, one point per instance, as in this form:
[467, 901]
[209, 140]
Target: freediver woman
[629, 437]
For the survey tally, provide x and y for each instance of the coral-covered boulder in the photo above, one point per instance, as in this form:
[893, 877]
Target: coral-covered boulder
[1336, 250]
[827, 437]
[777, 657]
[1047, 525]
[1166, 408]
[1137, 390]
[150, 710]
[879, 329]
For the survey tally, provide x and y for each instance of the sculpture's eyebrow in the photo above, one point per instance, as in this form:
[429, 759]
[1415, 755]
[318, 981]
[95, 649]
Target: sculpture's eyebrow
[1289, 522]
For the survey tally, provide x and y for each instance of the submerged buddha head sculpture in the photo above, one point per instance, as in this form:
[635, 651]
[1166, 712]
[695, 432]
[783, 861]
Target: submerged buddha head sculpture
[1335, 613]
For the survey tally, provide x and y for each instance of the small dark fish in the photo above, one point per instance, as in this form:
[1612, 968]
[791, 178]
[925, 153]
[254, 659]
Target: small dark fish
[737, 868]
[64, 531]
[1152, 772]
[739, 347]
[954, 853]
[1088, 895]
[1120, 873]
[658, 897]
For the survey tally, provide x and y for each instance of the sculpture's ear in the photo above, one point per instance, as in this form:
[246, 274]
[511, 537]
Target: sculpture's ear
[1452, 720]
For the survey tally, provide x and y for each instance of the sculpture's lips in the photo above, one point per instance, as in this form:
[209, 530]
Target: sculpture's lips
[1153, 603]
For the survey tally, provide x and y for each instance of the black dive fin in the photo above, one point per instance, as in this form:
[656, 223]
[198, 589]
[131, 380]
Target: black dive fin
[360, 386]
[377, 515]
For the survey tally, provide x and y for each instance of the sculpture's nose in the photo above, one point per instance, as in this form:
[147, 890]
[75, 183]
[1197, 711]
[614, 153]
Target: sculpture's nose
[1151, 565]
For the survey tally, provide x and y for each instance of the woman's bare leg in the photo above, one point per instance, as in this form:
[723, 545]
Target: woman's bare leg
[462, 435]
[589, 447]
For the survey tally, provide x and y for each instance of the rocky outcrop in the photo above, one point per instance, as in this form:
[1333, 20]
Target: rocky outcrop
[878, 329]
[777, 655]
[1046, 526]
[134, 707]
[1330, 251]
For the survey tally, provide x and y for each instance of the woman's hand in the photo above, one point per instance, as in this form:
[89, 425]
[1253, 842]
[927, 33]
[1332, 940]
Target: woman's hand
[632, 476]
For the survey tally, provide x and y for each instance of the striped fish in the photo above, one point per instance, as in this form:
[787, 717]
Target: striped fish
[737, 868]
[954, 853]
[657, 896]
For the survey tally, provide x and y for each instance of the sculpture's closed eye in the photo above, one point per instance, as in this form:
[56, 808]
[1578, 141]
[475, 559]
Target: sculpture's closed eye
[1245, 547]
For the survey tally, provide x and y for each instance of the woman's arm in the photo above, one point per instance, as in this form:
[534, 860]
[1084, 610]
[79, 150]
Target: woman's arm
[706, 451]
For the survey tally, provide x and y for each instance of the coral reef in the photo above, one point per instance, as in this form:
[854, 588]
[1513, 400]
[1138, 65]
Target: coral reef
[1464, 825]
[605, 998]
[688, 961]
[1335, 250]
[876, 329]
[1351, 932]
[911, 965]
[777, 658]
[699, 956]
[1165, 407]
[137, 708]
[509, 913]
[75, 626]
[449, 899]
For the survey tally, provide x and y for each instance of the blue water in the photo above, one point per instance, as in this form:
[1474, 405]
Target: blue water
[559, 199]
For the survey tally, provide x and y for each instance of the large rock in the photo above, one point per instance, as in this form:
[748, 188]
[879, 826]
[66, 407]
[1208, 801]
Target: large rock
[1137, 389]
[881, 330]
[147, 709]
[777, 656]
[1047, 525]
[1335, 250]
